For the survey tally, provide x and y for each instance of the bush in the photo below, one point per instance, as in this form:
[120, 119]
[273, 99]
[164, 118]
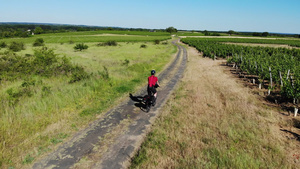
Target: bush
[17, 46]
[25, 89]
[216, 34]
[143, 46]
[39, 42]
[111, 43]
[156, 42]
[3, 45]
[108, 43]
[78, 74]
[80, 46]
[44, 62]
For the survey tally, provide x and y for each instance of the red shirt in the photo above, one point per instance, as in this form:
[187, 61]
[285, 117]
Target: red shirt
[152, 81]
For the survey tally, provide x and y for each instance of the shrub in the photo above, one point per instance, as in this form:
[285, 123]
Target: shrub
[3, 45]
[44, 62]
[24, 90]
[111, 43]
[17, 46]
[78, 74]
[143, 46]
[156, 42]
[80, 46]
[39, 42]
[108, 43]
[216, 34]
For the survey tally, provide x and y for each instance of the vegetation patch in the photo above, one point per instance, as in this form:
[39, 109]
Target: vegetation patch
[44, 62]
[81, 46]
[39, 42]
[16, 46]
[108, 43]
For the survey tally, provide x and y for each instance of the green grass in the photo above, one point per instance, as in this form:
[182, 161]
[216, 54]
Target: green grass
[36, 122]
[189, 34]
[94, 36]
[286, 41]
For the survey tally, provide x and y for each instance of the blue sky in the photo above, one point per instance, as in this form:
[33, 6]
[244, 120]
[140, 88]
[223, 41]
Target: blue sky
[282, 16]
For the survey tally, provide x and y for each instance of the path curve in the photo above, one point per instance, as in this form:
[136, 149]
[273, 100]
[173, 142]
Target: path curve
[131, 123]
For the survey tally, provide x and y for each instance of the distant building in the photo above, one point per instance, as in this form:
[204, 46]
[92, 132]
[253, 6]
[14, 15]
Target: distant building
[30, 32]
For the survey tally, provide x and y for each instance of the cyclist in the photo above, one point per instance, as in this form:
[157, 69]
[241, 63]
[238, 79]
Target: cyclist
[152, 84]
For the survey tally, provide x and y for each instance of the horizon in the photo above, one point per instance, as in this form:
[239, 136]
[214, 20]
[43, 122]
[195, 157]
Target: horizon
[35, 23]
[216, 15]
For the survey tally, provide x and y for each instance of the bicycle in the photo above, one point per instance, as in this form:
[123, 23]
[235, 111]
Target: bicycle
[149, 100]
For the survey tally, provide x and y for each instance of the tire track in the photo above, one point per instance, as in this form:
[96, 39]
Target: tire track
[129, 139]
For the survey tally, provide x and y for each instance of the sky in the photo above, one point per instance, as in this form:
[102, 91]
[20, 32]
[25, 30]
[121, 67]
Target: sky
[279, 16]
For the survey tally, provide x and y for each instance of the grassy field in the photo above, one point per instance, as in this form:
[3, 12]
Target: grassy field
[55, 108]
[94, 36]
[212, 121]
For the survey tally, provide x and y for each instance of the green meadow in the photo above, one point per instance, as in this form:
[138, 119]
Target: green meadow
[94, 36]
[44, 106]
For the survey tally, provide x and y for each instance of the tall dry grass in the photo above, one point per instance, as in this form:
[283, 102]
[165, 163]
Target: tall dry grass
[212, 121]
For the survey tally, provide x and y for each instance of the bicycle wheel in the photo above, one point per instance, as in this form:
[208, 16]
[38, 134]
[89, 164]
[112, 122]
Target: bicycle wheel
[148, 106]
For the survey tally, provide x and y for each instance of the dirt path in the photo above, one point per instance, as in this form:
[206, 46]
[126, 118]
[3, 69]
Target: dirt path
[111, 141]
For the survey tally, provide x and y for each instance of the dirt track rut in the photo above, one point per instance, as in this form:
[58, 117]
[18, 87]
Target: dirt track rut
[115, 138]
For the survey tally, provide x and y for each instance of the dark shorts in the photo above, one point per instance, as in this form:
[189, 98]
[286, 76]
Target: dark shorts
[151, 90]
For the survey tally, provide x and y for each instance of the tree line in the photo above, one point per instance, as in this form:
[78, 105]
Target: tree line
[9, 30]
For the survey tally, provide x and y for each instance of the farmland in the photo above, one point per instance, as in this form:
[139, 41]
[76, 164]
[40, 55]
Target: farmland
[285, 41]
[277, 65]
[48, 93]
[94, 36]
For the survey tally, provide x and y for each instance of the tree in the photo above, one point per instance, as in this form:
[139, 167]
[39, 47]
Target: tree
[171, 30]
[38, 30]
[265, 34]
[206, 33]
[256, 34]
[230, 32]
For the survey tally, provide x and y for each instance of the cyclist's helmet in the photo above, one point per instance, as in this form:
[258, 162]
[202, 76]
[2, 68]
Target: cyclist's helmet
[152, 72]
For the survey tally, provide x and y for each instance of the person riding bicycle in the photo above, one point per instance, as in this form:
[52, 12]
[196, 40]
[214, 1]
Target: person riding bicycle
[152, 84]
